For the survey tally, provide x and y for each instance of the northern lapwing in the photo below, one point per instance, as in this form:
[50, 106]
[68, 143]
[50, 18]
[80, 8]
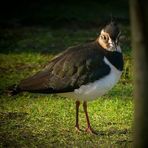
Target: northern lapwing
[84, 72]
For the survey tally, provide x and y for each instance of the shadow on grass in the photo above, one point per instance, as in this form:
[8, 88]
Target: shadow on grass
[111, 132]
[13, 132]
[25, 137]
[12, 115]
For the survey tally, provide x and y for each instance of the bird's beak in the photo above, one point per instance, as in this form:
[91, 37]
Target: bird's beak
[118, 38]
[113, 45]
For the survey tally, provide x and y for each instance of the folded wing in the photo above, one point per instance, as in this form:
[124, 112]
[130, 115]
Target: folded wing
[76, 66]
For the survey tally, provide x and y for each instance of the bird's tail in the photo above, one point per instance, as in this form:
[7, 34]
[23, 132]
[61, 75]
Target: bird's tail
[12, 90]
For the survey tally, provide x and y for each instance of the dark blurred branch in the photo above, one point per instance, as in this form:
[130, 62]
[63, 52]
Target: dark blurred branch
[139, 22]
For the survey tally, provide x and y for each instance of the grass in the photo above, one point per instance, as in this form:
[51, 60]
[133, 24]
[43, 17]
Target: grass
[36, 120]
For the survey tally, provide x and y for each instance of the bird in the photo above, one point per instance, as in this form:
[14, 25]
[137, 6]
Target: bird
[83, 72]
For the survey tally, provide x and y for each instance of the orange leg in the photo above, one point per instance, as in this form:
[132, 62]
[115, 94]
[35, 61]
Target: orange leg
[88, 129]
[77, 115]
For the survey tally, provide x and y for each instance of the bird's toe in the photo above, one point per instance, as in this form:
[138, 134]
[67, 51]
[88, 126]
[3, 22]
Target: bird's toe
[77, 129]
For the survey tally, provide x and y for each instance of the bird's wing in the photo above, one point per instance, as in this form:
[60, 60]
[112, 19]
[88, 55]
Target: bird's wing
[76, 66]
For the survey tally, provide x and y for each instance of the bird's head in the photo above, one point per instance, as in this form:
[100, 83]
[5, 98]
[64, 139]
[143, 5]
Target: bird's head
[109, 37]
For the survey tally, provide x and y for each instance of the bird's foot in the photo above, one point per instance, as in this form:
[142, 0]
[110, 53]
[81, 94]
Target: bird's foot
[77, 129]
[90, 130]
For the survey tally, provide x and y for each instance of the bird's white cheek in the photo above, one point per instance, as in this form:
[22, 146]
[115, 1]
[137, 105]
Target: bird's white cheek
[110, 41]
[111, 44]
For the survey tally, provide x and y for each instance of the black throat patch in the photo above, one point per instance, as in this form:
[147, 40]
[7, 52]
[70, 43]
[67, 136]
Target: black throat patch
[116, 59]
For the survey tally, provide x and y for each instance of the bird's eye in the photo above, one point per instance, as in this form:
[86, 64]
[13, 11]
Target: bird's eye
[104, 37]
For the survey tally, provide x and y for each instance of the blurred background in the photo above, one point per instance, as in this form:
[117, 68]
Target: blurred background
[21, 20]
[55, 13]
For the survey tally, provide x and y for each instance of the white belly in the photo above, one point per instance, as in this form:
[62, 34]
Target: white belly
[98, 88]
